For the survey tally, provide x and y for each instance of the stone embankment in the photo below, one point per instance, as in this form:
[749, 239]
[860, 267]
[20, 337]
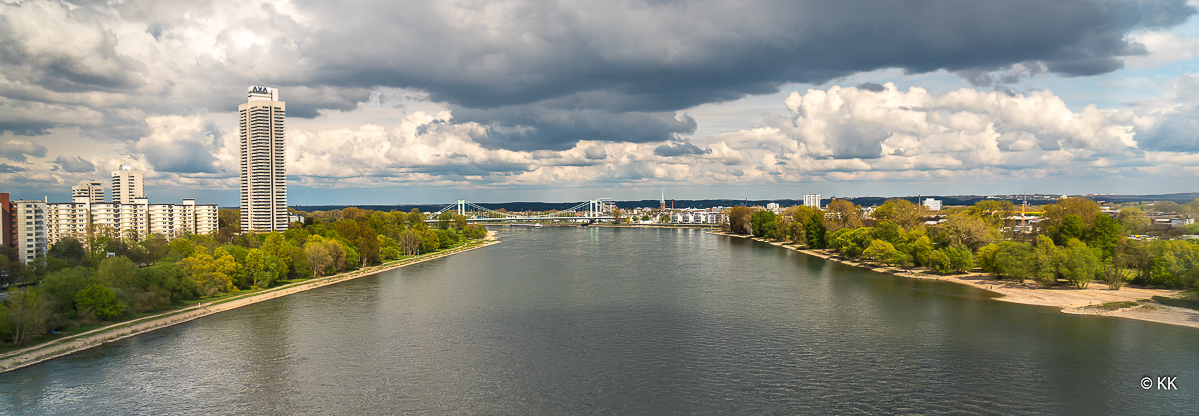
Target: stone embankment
[60, 347]
[1068, 299]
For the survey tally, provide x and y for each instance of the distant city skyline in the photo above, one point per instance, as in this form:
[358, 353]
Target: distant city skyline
[516, 101]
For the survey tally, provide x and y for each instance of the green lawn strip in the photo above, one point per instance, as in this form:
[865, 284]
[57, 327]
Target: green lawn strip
[72, 333]
[1189, 302]
[1111, 306]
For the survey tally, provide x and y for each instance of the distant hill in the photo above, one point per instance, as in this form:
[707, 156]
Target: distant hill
[947, 200]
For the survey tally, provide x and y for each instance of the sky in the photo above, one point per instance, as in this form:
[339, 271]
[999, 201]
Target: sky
[430, 102]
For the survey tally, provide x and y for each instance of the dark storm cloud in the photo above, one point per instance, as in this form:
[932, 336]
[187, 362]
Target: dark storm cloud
[180, 157]
[306, 102]
[16, 150]
[532, 78]
[537, 127]
[544, 75]
[679, 149]
[75, 164]
[871, 86]
[6, 168]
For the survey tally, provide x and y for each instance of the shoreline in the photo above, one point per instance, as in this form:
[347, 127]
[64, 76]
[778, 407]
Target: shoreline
[68, 345]
[1068, 300]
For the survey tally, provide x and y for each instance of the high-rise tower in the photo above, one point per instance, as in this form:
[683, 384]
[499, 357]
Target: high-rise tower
[126, 185]
[93, 190]
[263, 190]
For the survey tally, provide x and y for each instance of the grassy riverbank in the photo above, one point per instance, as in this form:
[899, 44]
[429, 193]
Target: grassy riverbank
[1153, 305]
[86, 338]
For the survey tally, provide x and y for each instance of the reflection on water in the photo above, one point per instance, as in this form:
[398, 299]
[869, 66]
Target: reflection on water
[600, 320]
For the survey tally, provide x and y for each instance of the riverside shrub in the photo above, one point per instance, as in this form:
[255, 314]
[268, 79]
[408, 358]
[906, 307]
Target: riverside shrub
[100, 301]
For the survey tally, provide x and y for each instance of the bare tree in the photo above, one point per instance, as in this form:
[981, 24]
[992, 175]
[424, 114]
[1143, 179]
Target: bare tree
[409, 242]
[318, 255]
[1114, 272]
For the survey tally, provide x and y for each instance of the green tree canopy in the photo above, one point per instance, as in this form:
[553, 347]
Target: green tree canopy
[1053, 214]
[762, 224]
[881, 252]
[167, 276]
[118, 272]
[1070, 227]
[741, 220]
[429, 241]
[474, 231]
[899, 212]
[60, 287]
[842, 214]
[100, 301]
[815, 230]
[992, 211]
[965, 230]
[1104, 234]
[445, 220]
[68, 249]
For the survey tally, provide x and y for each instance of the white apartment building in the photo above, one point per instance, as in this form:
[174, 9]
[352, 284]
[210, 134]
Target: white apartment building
[173, 220]
[263, 189]
[696, 217]
[92, 189]
[932, 204]
[127, 185]
[812, 200]
[30, 219]
[42, 224]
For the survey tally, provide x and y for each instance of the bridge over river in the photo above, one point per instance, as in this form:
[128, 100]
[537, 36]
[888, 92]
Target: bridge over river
[589, 211]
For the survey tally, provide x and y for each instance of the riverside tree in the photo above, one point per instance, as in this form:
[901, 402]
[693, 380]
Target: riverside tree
[814, 230]
[155, 273]
[762, 224]
[741, 220]
[212, 273]
[99, 301]
[881, 252]
[842, 214]
[899, 212]
[319, 256]
[409, 242]
[26, 313]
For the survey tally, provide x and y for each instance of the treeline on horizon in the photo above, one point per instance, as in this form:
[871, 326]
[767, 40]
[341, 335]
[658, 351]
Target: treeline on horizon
[104, 277]
[1074, 242]
[713, 203]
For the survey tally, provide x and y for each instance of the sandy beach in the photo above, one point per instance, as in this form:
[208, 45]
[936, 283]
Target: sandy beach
[60, 347]
[1069, 299]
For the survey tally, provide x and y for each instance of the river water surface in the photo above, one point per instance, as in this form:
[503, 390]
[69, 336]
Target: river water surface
[603, 320]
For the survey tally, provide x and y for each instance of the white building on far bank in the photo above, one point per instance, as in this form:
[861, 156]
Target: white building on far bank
[932, 204]
[812, 200]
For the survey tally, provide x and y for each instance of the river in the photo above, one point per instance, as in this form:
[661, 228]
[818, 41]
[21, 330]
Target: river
[617, 321]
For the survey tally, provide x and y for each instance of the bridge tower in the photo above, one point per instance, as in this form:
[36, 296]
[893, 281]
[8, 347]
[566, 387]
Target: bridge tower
[594, 207]
[461, 207]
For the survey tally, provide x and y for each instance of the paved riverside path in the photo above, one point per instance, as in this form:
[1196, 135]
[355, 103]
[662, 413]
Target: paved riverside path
[67, 345]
